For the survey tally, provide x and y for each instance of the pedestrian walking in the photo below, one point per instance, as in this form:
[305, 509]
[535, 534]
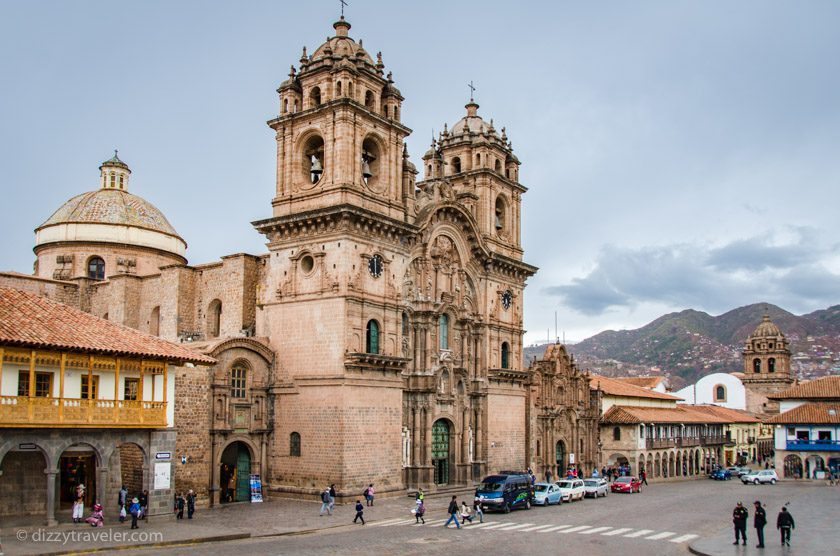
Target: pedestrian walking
[739, 519]
[179, 506]
[643, 477]
[784, 523]
[332, 498]
[759, 521]
[453, 513]
[420, 496]
[325, 502]
[369, 492]
[548, 475]
[466, 514]
[479, 512]
[134, 510]
[122, 498]
[419, 512]
[360, 511]
[190, 503]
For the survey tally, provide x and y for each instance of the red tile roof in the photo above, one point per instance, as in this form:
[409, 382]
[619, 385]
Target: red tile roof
[730, 415]
[641, 381]
[629, 415]
[826, 388]
[815, 413]
[31, 321]
[614, 387]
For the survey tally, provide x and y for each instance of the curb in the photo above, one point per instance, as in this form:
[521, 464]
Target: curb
[697, 551]
[181, 542]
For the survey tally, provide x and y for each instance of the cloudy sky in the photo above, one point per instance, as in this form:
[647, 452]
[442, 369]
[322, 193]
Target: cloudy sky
[677, 154]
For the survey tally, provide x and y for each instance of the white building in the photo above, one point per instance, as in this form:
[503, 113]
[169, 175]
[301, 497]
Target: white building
[723, 389]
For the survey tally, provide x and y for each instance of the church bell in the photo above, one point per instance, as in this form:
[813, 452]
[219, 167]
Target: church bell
[366, 173]
[317, 169]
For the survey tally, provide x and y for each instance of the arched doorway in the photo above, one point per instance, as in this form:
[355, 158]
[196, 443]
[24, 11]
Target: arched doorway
[813, 464]
[441, 453]
[77, 471]
[560, 458]
[793, 467]
[235, 473]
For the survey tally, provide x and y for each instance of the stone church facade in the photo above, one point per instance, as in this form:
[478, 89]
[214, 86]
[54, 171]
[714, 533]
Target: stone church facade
[380, 337]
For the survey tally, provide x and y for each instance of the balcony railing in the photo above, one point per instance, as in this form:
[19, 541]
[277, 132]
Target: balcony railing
[686, 442]
[713, 440]
[653, 443]
[815, 445]
[71, 412]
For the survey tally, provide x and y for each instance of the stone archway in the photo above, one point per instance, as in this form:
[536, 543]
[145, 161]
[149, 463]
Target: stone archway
[78, 467]
[560, 458]
[657, 467]
[235, 467]
[22, 491]
[793, 467]
[814, 464]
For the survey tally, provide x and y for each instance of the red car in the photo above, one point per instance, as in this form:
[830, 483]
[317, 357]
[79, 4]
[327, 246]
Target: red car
[626, 484]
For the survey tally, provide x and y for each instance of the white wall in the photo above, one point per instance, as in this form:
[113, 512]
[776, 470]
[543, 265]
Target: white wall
[736, 396]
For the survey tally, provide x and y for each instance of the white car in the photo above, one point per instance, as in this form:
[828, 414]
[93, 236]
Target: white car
[595, 487]
[761, 476]
[571, 489]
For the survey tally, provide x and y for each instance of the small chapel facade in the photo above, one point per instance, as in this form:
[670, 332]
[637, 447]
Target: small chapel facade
[379, 340]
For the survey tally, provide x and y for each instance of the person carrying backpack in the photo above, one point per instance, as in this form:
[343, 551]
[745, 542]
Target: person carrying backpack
[360, 510]
[325, 502]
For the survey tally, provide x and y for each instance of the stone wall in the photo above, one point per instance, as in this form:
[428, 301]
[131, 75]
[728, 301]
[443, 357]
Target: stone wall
[192, 421]
[22, 484]
[506, 429]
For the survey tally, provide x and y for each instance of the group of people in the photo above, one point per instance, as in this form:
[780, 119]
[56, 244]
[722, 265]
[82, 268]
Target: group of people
[137, 508]
[612, 473]
[188, 501]
[784, 523]
[464, 513]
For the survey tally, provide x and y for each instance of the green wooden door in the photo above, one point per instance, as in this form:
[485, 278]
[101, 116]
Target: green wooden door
[440, 451]
[243, 474]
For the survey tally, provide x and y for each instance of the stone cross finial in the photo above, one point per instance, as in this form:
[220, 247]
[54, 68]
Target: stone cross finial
[472, 91]
[343, 3]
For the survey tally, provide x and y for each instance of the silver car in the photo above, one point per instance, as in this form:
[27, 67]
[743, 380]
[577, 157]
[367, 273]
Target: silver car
[595, 487]
[763, 476]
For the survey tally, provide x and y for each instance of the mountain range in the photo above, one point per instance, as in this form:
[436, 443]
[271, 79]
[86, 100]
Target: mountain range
[686, 345]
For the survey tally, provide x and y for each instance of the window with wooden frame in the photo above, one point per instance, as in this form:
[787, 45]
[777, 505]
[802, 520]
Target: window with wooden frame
[43, 384]
[131, 388]
[238, 378]
[90, 390]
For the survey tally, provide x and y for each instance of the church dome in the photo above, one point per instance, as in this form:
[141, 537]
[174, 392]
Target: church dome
[112, 215]
[341, 45]
[471, 122]
[766, 329]
[108, 206]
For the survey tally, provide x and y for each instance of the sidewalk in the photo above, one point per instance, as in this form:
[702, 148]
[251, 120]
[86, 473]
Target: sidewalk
[276, 517]
[814, 508]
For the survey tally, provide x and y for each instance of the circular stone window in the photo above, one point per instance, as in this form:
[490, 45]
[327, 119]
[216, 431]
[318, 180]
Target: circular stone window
[307, 263]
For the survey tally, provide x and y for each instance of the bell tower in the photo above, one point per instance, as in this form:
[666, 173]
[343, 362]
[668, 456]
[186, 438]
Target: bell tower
[338, 242]
[767, 369]
[339, 135]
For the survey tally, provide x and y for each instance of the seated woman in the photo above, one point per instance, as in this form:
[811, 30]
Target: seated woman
[96, 519]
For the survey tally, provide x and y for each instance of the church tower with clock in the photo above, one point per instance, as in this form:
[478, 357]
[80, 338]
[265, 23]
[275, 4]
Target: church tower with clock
[394, 307]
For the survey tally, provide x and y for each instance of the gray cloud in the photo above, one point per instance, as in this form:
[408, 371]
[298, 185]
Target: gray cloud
[716, 279]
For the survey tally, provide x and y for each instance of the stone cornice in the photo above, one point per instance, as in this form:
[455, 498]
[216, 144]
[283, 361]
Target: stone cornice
[307, 114]
[332, 219]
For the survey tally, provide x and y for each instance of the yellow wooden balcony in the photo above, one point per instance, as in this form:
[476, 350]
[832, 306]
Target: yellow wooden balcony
[23, 411]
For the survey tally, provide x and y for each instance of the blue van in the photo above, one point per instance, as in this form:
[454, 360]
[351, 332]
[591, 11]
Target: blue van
[506, 492]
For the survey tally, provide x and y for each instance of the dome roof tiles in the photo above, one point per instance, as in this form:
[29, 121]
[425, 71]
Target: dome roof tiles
[111, 206]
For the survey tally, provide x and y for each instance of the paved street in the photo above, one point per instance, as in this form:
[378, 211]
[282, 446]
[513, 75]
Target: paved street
[664, 519]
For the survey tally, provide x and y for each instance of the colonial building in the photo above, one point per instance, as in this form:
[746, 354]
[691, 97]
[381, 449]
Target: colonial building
[380, 337]
[807, 431]
[84, 403]
[563, 415]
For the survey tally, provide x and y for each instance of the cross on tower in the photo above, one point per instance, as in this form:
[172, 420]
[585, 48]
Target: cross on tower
[343, 3]
[472, 91]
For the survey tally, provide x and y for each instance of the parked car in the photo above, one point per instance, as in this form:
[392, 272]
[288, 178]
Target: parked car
[738, 470]
[721, 475]
[505, 492]
[595, 487]
[760, 476]
[547, 493]
[571, 489]
[626, 484]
